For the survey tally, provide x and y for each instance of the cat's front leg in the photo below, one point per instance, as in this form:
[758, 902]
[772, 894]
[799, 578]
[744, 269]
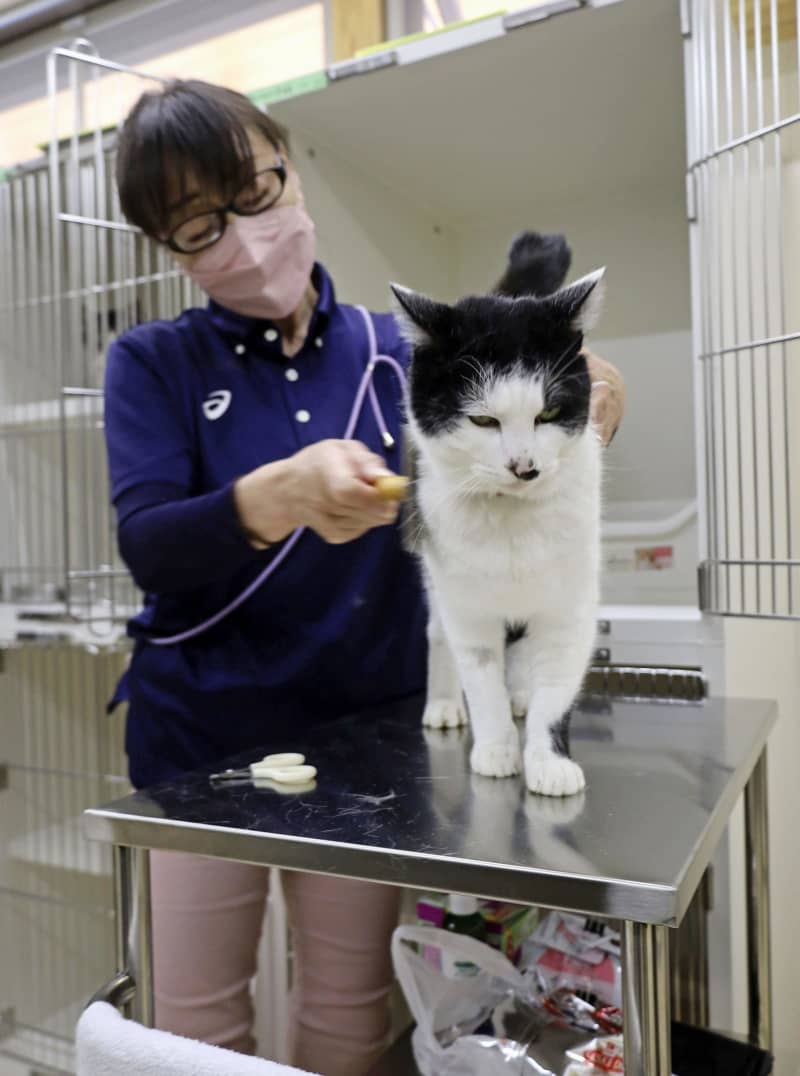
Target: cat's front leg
[444, 701]
[560, 653]
[478, 647]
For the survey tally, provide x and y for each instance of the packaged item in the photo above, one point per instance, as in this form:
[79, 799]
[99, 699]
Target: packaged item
[508, 926]
[589, 940]
[581, 955]
[432, 911]
[596, 1057]
[463, 917]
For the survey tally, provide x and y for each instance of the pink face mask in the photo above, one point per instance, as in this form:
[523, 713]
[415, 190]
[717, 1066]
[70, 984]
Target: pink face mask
[262, 265]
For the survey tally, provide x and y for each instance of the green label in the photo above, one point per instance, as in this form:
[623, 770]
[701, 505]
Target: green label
[293, 87]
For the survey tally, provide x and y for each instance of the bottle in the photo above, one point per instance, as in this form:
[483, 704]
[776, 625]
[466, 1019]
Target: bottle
[463, 917]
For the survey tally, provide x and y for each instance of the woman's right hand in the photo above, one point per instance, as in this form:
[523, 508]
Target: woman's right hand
[328, 487]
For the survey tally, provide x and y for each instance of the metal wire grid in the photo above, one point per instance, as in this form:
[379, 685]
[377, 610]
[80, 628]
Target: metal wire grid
[60, 754]
[30, 559]
[73, 275]
[743, 111]
[108, 278]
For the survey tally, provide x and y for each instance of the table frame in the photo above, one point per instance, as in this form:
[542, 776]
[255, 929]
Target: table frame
[645, 950]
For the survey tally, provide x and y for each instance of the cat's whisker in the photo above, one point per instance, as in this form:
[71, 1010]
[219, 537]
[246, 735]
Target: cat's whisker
[553, 377]
[565, 379]
[472, 364]
[462, 491]
[566, 357]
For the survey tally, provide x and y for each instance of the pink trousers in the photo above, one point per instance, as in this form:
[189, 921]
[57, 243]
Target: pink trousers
[207, 917]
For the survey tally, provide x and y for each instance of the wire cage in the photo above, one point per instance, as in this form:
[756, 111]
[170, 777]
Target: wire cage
[60, 755]
[73, 276]
[743, 111]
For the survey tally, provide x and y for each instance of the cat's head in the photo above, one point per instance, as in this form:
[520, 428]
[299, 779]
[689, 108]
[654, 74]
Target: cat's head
[499, 389]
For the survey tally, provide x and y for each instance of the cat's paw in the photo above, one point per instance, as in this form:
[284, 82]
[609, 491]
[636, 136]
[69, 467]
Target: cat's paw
[444, 714]
[497, 758]
[552, 776]
[519, 703]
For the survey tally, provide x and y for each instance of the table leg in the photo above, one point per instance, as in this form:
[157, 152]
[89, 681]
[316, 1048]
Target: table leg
[134, 950]
[646, 1007]
[759, 974]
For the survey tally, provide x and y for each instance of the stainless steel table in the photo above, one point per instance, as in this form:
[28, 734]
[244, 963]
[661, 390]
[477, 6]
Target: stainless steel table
[395, 804]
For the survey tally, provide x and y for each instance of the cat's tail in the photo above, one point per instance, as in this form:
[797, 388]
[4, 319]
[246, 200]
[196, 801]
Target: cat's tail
[537, 265]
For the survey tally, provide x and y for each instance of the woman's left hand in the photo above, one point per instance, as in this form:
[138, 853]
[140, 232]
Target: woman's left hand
[608, 396]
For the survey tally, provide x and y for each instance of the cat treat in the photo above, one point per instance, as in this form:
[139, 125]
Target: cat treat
[392, 487]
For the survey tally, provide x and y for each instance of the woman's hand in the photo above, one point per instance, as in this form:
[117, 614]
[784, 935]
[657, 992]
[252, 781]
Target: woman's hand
[608, 396]
[328, 487]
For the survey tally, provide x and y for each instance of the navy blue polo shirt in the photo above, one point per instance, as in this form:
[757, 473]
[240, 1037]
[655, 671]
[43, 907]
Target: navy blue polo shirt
[190, 406]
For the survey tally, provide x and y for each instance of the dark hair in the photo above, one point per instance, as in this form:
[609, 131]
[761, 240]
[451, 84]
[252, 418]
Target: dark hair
[188, 127]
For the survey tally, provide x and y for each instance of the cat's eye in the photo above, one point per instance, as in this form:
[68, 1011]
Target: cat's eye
[550, 415]
[485, 421]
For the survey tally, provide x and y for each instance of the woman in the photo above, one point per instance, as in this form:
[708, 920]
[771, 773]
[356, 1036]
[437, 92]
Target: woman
[224, 434]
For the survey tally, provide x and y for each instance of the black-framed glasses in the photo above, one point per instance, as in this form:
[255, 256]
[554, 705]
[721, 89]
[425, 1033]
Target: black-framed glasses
[205, 229]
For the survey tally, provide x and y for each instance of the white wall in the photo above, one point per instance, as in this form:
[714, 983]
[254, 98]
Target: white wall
[762, 662]
[642, 240]
[367, 234]
[644, 329]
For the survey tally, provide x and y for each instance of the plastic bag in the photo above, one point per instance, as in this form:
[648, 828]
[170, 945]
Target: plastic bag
[489, 1023]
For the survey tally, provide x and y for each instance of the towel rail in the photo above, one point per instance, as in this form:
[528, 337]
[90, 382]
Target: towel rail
[118, 991]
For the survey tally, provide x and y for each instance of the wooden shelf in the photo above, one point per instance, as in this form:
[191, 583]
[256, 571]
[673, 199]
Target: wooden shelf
[786, 12]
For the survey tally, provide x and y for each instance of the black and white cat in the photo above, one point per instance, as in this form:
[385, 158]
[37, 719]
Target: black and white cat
[506, 508]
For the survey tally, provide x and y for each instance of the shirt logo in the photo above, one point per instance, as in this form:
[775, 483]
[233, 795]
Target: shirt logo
[217, 404]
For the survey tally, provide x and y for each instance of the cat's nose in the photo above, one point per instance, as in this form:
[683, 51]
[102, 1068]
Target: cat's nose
[527, 472]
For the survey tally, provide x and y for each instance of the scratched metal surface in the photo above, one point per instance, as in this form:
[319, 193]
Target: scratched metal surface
[397, 804]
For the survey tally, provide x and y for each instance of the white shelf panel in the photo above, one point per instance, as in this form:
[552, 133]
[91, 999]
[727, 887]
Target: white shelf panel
[48, 412]
[507, 118]
[61, 846]
[101, 634]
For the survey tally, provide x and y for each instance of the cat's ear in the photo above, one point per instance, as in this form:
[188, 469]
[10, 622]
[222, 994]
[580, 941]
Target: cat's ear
[421, 319]
[580, 303]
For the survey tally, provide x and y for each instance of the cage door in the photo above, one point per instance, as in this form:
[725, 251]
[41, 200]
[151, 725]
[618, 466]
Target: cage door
[743, 193]
[107, 277]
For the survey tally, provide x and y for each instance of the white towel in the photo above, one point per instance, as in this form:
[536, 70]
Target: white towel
[108, 1044]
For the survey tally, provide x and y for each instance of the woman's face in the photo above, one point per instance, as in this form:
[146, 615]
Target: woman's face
[191, 201]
